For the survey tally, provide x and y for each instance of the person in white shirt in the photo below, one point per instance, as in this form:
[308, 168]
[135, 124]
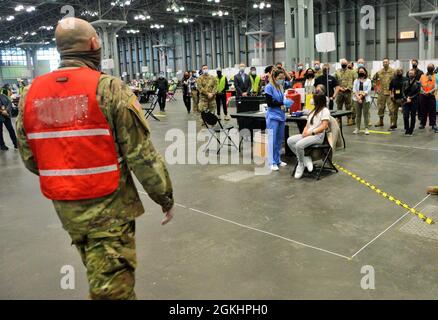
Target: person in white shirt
[314, 132]
[362, 99]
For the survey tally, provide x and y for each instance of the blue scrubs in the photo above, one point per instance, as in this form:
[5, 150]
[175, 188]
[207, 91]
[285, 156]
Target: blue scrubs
[275, 123]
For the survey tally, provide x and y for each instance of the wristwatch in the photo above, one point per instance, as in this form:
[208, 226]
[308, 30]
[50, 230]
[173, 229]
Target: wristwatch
[313, 132]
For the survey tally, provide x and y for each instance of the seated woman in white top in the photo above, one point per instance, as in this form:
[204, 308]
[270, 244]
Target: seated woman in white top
[362, 99]
[314, 133]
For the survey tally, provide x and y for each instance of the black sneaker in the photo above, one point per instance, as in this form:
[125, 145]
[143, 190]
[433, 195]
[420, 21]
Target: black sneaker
[16, 147]
[4, 148]
[421, 127]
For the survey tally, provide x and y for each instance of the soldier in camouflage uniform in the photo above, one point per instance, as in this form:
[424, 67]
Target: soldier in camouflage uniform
[103, 229]
[384, 76]
[345, 78]
[207, 86]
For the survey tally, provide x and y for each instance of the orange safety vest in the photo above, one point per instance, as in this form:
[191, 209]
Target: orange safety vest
[70, 138]
[428, 85]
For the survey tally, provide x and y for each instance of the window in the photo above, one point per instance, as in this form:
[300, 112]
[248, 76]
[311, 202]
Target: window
[12, 57]
[50, 54]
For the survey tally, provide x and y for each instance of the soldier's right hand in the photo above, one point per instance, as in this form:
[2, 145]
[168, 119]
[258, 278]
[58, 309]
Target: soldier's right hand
[168, 217]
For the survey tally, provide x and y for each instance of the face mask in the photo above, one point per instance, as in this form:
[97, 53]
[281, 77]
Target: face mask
[399, 75]
[360, 65]
[219, 74]
[411, 77]
[300, 68]
[242, 70]
[386, 66]
[317, 67]
[254, 73]
[414, 66]
[362, 75]
[205, 71]
[91, 58]
[344, 66]
[325, 71]
[279, 83]
[310, 75]
[350, 67]
[430, 70]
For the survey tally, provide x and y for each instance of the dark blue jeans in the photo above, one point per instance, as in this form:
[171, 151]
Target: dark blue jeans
[8, 124]
[409, 113]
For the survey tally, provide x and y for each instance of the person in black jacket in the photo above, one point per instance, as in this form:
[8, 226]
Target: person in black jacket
[411, 92]
[162, 86]
[5, 118]
[187, 92]
[418, 72]
[242, 82]
[395, 88]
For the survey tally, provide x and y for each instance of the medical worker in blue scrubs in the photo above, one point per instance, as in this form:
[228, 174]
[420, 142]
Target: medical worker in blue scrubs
[276, 117]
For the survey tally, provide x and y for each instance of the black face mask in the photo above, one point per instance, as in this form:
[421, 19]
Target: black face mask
[344, 66]
[310, 76]
[219, 74]
[414, 66]
[361, 75]
[430, 70]
[325, 71]
[399, 75]
[91, 58]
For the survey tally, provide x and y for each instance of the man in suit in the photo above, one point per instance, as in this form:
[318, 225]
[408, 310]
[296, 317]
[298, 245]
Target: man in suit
[242, 82]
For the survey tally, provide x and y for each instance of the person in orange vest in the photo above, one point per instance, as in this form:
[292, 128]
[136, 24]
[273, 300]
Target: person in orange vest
[427, 98]
[299, 76]
[82, 132]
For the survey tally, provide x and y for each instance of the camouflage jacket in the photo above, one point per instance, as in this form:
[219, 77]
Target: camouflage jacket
[206, 84]
[345, 78]
[133, 144]
[385, 77]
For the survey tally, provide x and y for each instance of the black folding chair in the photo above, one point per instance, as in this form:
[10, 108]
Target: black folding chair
[325, 149]
[215, 127]
[150, 109]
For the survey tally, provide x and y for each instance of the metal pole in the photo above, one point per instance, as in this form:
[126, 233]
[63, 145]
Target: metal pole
[383, 33]
[213, 46]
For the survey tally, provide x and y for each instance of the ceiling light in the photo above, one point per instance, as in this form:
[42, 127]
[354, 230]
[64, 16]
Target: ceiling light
[19, 8]
[10, 18]
[30, 9]
[261, 5]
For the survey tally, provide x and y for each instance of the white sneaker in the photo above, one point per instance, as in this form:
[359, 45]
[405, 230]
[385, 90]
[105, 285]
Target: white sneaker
[308, 163]
[367, 132]
[274, 167]
[356, 131]
[300, 171]
[227, 118]
[283, 164]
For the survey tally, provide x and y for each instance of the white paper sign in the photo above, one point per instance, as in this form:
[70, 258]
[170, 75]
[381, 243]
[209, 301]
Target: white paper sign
[325, 42]
[144, 69]
[107, 64]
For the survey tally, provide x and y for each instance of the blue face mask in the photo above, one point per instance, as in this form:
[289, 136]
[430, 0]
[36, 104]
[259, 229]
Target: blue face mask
[279, 83]
[360, 65]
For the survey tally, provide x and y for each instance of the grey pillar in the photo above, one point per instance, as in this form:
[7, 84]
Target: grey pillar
[131, 54]
[151, 56]
[193, 48]
[342, 30]
[145, 56]
[137, 56]
[383, 33]
[311, 32]
[116, 56]
[202, 40]
[236, 42]
[125, 64]
[324, 24]
[184, 50]
[291, 41]
[362, 38]
[213, 45]
[431, 43]
[226, 62]
[421, 41]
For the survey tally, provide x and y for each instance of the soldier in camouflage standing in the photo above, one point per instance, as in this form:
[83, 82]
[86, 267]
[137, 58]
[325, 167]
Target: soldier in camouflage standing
[96, 121]
[345, 78]
[384, 76]
[207, 86]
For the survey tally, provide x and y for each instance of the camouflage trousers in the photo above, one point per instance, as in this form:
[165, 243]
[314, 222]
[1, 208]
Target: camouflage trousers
[207, 104]
[110, 259]
[195, 98]
[344, 98]
[382, 101]
[393, 111]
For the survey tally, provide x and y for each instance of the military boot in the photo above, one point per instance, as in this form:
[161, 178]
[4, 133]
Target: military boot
[380, 123]
[432, 190]
[350, 122]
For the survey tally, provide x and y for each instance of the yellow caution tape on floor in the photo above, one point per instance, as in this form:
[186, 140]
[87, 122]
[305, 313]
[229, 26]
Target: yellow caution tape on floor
[380, 132]
[386, 195]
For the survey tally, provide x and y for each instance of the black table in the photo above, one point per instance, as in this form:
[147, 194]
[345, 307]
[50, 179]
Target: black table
[300, 121]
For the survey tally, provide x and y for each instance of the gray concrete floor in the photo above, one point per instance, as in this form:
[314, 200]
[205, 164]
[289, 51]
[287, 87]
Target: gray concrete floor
[204, 254]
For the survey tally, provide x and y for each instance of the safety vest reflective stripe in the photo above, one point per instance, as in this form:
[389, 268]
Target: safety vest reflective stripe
[77, 172]
[68, 134]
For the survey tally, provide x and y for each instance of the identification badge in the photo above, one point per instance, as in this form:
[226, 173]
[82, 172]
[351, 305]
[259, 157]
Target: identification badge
[397, 91]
